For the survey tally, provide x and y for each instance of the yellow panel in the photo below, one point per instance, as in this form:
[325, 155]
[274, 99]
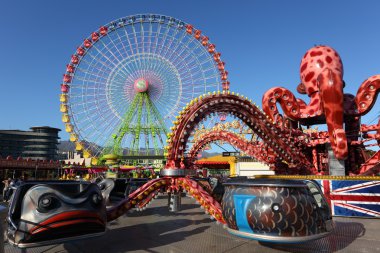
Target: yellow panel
[86, 154]
[94, 161]
[110, 157]
[232, 168]
[63, 108]
[68, 128]
[65, 118]
[63, 98]
[73, 137]
[78, 146]
[326, 177]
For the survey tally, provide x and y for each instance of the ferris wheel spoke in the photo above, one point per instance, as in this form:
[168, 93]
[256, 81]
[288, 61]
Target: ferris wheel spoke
[178, 55]
[132, 68]
[85, 78]
[99, 61]
[129, 42]
[84, 127]
[88, 79]
[188, 79]
[109, 49]
[135, 67]
[85, 123]
[179, 42]
[108, 58]
[169, 48]
[183, 53]
[157, 39]
[95, 60]
[150, 47]
[206, 63]
[171, 53]
[142, 37]
[185, 65]
[86, 133]
[117, 58]
[181, 60]
[112, 125]
[163, 39]
[100, 113]
[159, 68]
[188, 70]
[161, 104]
[136, 42]
[91, 68]
[120, 43]
[191, 60]
[86, 74]
[194, 70]
[174, 102]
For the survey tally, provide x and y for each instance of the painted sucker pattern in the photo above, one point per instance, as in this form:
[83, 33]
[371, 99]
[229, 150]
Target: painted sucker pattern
[298, 213]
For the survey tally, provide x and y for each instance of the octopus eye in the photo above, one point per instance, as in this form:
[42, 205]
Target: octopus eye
[47, 202]
[97, 199]
[276, 208]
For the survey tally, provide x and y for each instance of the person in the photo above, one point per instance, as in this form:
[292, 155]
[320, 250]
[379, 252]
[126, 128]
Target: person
[13, 183]
[6, 188]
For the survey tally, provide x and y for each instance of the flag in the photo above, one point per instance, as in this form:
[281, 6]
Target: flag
[352, 197]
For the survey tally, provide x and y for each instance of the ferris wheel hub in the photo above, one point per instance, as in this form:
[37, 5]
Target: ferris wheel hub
[141, 85]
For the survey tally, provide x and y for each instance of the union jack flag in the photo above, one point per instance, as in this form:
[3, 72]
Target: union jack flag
[352, 197]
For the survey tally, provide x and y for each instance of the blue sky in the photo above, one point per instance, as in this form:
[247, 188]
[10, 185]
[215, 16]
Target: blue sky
[262, 43]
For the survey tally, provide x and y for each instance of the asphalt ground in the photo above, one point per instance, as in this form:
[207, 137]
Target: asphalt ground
[191, 230]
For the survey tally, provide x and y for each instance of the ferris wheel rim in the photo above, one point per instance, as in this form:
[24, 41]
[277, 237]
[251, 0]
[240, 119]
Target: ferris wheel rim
[114, 26]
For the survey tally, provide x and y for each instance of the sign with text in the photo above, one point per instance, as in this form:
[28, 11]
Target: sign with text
[230, 154]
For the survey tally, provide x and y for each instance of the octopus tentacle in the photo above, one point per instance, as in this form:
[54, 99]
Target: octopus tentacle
[367, 94]
[378, 133]
[254, 149]
[241, 108]
[294, 108]
[138, 198]
[210, 205]
[371, 166]
[331, 88]
[289, 103]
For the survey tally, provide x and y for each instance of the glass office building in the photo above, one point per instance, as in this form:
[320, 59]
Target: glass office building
[39, 143]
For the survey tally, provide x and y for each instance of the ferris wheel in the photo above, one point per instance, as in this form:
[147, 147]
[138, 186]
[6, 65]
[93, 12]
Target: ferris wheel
[127, 81]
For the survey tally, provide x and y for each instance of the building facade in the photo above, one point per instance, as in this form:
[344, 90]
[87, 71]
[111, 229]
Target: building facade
[39, 143]
[233, 165]
[74, 157]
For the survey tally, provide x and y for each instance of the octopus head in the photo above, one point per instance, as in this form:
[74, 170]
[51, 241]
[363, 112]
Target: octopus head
[314, 62]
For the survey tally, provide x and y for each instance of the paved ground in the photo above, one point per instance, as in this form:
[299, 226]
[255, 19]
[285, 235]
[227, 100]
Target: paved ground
[190, 230]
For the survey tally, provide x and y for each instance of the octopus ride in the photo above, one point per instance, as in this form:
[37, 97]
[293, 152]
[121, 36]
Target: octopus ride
[288, 209]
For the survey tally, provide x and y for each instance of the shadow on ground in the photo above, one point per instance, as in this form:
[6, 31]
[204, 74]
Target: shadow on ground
[343, 235]
[164, 211]
[140, 237]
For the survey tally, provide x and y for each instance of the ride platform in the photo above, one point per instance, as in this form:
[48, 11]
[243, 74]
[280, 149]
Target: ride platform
[190, 230]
